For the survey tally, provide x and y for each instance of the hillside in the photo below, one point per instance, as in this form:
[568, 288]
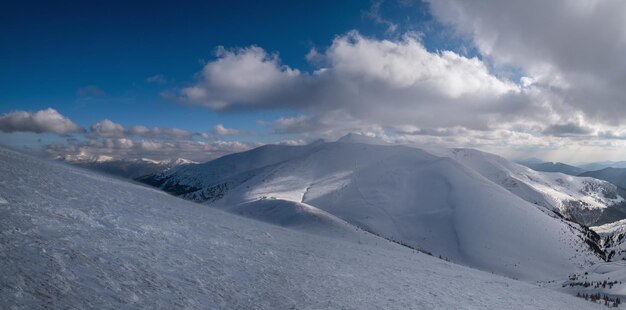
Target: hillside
[75, 239]
[433, 202]
[585, 200]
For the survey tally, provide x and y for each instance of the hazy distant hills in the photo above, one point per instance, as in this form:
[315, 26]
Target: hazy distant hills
[126, 168]
[555, 167]
[603, 164]
[610, 171]
[616, 176]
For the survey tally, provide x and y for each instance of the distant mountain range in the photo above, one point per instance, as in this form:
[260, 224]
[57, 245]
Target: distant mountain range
[611, 171]
[126, 168]
[603, 164]
[616, 176]
[555, 167]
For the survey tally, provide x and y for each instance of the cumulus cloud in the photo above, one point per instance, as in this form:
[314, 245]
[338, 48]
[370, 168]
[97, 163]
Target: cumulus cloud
[293, 142]
[242, 77]
[567, 84]
[107, 138]
[48, 120]
[125, 148]
[107, 128]
[574, 49]
[220, 130]
[374, 81]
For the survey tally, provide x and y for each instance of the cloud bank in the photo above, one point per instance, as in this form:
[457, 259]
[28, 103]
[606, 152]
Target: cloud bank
[48, 120]
[113, 140]
[549, 75]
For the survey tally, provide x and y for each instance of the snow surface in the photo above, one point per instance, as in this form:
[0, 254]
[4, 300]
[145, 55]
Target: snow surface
[613, 238]
[604, 278]
[70, 238]
[299, 216]
[430, 202]
[569, 195]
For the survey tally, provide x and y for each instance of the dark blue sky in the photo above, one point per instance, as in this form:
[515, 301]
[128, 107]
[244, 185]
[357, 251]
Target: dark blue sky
[51, 49]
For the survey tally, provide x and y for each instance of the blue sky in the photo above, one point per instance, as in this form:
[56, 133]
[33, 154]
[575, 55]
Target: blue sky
[520, 79]
[53, 49]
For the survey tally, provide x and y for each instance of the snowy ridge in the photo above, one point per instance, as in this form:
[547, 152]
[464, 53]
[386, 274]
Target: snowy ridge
[582, 199]
[430, 202]
[298, 216]
[74, 239]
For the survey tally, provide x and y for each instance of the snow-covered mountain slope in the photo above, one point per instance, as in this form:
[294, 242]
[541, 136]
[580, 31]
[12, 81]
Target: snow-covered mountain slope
[195, 177]
[607, 281]
[613, 239]
[70, 238]
[298, 216]
[434, 203]
[585, 200]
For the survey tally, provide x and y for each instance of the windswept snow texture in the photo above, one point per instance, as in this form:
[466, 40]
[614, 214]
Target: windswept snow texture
[433, 203]
[74, 239]
[299, 216]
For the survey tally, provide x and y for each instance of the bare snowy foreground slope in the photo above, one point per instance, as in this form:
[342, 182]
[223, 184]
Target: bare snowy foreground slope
[72, 238]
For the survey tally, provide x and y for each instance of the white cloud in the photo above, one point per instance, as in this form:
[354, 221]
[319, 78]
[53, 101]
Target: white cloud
[107, 128]
[570, 89]
[48, 120]
[113, 140]
[220, 130]
[572, 49]
[242, 77]
[383, 82]
[292, 142]
[124, 148]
